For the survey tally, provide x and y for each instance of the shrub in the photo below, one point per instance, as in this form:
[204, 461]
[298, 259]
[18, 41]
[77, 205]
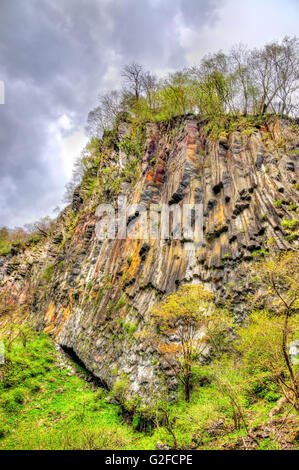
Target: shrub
[48, 273]
[121, 303]
[259, 253]
[278, 203]
[130, 328]
[120, 389]
[293, 207]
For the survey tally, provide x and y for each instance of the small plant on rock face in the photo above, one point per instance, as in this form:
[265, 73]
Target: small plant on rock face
[292, 207]
[290, 225]
[260, 253]
[121, 303]
[278, 203]
[130, 328]
[90, 285]
[48, 273]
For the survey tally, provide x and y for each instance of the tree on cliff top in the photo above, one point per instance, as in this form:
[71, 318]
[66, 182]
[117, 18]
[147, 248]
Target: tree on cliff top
[243, 81]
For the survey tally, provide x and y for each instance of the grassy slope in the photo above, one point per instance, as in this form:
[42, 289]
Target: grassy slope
[44, 406]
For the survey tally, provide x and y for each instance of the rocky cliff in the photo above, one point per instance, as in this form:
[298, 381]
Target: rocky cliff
[94, 297]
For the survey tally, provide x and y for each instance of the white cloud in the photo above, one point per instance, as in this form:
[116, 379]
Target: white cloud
[65, 122]
[71, 148]
[253, 22]
[57, 56]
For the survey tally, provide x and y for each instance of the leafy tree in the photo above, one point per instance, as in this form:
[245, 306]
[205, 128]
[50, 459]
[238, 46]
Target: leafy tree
[260, 345]
[233, 382]
[174, 96]
[279, 278]
[190, 319]
[25, 333]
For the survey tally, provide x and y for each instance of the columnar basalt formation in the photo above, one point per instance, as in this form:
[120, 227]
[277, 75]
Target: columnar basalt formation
[98, 298]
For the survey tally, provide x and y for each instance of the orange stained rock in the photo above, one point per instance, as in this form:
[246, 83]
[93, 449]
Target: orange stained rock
[50, 318]
[150, 176]
[66, 313]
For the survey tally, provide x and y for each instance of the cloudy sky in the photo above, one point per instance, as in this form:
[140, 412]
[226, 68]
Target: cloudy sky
[57, 55]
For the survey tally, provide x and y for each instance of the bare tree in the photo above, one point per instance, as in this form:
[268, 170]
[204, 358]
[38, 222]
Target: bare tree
[133, 78]
[103, 116]
[41, 227]
[275, 73]
[287, 70]
[149, 85]
[77, 176]
[239, 61]
[95, 122]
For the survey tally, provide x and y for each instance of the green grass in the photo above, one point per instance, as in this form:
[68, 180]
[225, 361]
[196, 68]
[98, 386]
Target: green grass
[48, 273]
[290, 225]
[43, 406]
[5, 248]
[278, 203]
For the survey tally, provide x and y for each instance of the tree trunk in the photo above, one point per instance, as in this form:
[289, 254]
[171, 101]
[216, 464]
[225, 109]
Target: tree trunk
[288, 362]
[264, 108]
[187, 388]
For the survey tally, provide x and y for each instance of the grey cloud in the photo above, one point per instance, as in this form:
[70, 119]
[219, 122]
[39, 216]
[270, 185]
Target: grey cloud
[54, 55]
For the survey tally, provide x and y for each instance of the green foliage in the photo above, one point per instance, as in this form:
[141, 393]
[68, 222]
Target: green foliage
[278, 203]
[290, 225]
[130, 328]
[293, 207]
[90, 184]
[131, 171]
[121, 303]
[5, 248]
[42, 406]
[90, 285]
[130, 146]
[268, 444]
[16, 240]
[259, 253]
[109, 137]
[183, 315]
[48, 273]
[120, 389]
[261, 344]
